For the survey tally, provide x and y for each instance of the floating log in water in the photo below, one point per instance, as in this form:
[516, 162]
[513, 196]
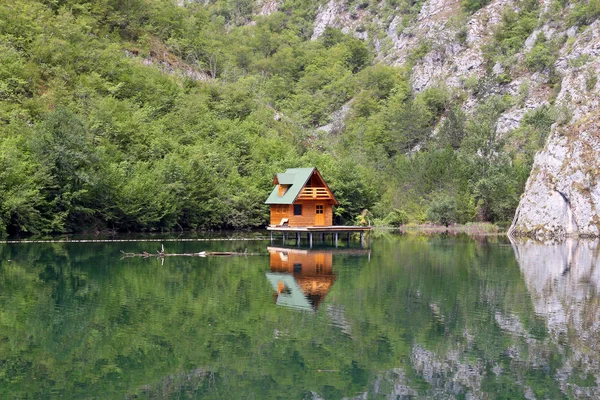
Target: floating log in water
[162, 254]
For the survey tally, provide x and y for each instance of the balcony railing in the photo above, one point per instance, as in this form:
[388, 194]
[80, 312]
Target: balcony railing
[319, 193]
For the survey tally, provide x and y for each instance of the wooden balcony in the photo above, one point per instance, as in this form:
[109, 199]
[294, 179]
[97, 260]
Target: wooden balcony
[314, 193]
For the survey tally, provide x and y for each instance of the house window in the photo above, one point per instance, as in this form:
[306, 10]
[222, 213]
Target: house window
[319, 209]
[280, 209]
[297, 209]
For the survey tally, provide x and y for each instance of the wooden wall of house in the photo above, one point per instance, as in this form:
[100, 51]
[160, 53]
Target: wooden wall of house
[278, 212]
[308, 213]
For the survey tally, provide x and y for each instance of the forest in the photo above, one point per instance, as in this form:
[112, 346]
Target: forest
[146, 115]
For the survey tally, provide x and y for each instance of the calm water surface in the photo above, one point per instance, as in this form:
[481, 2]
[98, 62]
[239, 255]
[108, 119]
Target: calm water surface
[412, 317]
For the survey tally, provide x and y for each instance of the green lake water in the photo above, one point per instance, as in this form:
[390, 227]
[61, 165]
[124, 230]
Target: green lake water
[409, 317]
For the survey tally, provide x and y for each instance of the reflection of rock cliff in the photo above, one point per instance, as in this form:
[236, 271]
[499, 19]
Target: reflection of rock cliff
[564, 281]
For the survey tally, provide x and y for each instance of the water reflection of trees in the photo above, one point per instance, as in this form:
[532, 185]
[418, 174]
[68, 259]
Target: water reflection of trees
[427, 317]
[446, 300]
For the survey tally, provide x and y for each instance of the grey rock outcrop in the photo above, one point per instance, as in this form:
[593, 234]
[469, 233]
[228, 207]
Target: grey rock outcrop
[267, 7]
[562, 195]
[337, 14]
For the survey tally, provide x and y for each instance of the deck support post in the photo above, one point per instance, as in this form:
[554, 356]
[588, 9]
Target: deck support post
[310, 239]
[284, 238]
[336, 239]
[362, 239]
[348, 237]
[298, 239]
[322, 234]
[271, 237]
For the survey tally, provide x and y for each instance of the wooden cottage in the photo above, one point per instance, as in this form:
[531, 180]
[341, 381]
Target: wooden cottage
[301, 198]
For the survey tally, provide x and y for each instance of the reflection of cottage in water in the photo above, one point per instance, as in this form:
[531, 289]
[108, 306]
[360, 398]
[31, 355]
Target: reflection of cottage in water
[300, 278]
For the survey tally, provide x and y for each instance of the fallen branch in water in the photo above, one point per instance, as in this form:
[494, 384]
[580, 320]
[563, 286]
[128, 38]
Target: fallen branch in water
[162, 254]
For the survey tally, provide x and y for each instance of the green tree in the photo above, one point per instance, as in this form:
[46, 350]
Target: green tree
[442, 210]
[542, 56]
[63, 145]
[23, 206]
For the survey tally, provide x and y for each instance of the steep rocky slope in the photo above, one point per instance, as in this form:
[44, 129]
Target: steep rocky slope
[562, 196]
[445, 46]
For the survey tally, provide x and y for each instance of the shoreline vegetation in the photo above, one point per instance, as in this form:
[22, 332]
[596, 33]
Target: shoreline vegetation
[474, 230]
[470, 229]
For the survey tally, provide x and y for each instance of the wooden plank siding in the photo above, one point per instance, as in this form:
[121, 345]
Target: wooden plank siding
[280, 211]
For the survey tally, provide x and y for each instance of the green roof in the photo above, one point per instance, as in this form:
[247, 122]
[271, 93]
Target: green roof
[297, 178]
[285, 179]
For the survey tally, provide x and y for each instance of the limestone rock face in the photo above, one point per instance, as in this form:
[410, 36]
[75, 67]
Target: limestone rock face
[562, 196]
[449, 60]
[338, 14]
[268, 7]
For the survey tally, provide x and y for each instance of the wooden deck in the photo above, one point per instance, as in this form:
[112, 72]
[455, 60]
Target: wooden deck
[334, 230]
[325, 229]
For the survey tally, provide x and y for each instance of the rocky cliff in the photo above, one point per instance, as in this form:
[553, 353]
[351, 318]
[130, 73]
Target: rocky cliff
[553, 66]
[562, 194]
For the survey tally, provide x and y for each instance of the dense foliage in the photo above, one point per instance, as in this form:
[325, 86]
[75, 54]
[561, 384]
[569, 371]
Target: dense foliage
[146, 115]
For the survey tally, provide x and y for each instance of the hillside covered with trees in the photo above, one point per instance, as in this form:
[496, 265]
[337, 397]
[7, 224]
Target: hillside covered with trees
[151, 115]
